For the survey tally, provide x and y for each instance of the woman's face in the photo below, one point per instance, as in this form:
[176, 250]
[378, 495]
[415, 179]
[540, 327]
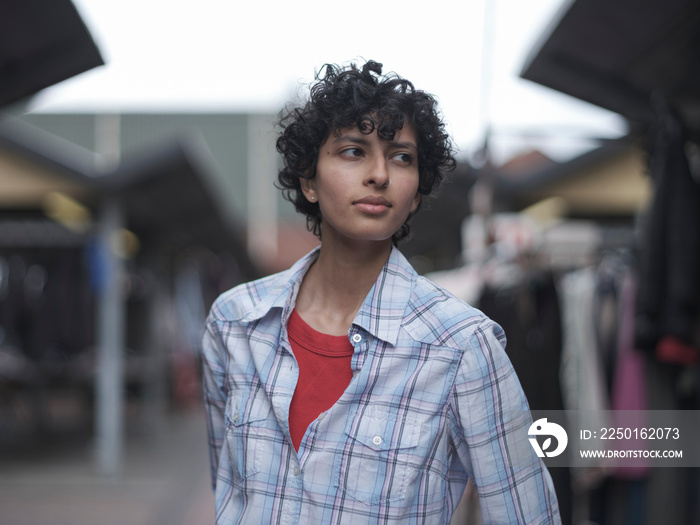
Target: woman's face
[365, 186]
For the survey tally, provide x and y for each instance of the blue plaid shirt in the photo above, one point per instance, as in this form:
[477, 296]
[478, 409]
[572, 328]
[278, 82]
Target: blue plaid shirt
[433, 401]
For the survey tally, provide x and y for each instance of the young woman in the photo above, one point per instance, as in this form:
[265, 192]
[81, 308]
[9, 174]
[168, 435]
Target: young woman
[348, 389]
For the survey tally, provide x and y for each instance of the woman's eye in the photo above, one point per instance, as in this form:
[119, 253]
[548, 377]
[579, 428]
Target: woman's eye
[352, 152]
[404, 158]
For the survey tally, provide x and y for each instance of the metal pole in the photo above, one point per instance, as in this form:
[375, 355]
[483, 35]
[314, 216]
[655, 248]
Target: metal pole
[109, 416]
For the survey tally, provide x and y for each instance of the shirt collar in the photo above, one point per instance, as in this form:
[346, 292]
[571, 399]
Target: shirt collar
[381, 313]
[283, 292]
[384, 308]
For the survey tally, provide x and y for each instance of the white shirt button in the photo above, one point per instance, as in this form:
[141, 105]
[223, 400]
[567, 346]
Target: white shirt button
[357, 338]
[296, 470]
[235, 417]
[377, 440]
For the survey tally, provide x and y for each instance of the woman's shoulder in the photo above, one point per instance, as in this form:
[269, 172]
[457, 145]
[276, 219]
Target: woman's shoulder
[437, 316]
[245, 299]
[252, 300]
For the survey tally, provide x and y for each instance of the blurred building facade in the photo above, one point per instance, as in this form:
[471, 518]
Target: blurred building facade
[97, 254]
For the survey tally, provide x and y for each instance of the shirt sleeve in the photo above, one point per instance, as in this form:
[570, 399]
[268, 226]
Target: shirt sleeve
[215, 391]
[492, 419]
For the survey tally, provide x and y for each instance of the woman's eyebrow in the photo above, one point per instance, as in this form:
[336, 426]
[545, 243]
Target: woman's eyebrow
[351, 138]
[364, 142]
[404, 145]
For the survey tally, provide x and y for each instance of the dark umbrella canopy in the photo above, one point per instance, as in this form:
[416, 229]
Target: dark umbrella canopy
[616, 54]
[42, 42]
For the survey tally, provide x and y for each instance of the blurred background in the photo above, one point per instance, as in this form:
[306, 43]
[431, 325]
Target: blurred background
[137, 170]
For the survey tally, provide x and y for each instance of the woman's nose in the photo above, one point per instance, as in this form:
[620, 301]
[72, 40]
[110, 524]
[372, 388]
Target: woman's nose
[378, 173]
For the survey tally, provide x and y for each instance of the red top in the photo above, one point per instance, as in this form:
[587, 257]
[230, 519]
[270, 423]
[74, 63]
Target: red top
[324, 373]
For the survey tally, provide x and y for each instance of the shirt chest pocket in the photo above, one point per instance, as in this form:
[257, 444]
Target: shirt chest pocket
[381, 459]
[249, 436]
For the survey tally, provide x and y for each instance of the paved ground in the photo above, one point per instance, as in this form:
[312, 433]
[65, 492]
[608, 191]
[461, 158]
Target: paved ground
[165, 481]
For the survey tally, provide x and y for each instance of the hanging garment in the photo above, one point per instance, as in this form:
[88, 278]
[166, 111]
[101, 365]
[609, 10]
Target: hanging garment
[529, 313]
[606, 302]
[668, 299]
[582, 371]
[629, 392]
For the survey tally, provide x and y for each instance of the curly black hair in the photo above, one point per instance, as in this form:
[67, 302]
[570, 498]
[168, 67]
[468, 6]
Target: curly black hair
[349, 96]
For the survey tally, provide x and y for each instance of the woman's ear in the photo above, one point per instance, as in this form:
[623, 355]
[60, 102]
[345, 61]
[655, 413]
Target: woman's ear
[308, 188]
[416, 202]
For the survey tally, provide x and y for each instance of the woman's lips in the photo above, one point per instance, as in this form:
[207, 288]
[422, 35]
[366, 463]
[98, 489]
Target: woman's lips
[372, 205]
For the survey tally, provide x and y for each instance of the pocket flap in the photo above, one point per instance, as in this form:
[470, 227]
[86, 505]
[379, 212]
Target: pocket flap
[384, 433]
[243, 411]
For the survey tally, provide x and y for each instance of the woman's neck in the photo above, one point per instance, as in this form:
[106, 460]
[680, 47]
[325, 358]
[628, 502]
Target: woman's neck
[335, 286]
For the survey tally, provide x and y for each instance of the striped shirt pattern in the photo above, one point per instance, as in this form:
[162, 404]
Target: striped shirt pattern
[433, 401]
